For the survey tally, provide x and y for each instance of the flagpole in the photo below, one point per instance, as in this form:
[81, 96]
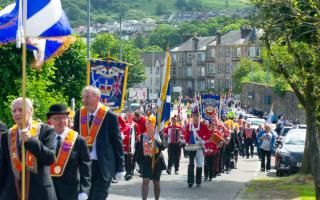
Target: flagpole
[24, 75]
[88, 44]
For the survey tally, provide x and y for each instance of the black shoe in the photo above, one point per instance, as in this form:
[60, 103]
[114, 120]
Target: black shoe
[210, 179]
[198, 185]
[219, 174]
[176, 172]
[227, 172]
[169, 171]
[262, 170]
[205, 178]
[190, 185]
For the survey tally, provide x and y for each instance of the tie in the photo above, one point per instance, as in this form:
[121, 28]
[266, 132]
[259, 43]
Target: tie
[58, 145]
[91, 120]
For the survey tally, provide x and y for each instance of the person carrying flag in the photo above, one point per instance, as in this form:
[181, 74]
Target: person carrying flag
[152, 163]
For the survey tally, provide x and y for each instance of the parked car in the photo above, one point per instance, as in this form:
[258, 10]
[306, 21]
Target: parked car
[285, 130]
[289, 155]
[134, 106]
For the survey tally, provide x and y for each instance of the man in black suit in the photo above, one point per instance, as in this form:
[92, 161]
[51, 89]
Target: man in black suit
[39, 144]
[101, 129]
[72, 158]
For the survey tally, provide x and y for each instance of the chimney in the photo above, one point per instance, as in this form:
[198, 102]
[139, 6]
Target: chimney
[195, 41]
[245, 31]
[218, 38]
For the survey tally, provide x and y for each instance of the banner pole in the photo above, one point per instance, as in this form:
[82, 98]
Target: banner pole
[24, 75]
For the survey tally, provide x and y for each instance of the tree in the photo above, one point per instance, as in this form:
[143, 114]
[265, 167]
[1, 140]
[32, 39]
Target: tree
[161, 8]
[248, 71]
[140, 41]
[164, 36]
[153, 48]
[104, 43]
[38, 84]
[291, 38]
[71, 71]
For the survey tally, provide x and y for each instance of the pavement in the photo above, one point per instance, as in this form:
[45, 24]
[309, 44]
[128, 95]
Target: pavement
[174, 187]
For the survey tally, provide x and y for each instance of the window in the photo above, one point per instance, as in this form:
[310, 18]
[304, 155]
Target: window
[251, 52]
[150, 80]
[189, 57]
[212, 52]
[234, 52]
[219, 68]
[151, 70]
[211, 83]
[257, 51]
[174, 71]
[228, 68]
[203, 71]
[174, 58]
[221, 52]
[211, 68]
[228, 51]
[202, 86]
[238, 52]
[157, 70]
[189, 71]
[158, 81]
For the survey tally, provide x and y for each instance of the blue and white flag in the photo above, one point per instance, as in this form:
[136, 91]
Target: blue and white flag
[164, 103]
[111, 79]
[46, 19]
[210, 104]
[47, 27]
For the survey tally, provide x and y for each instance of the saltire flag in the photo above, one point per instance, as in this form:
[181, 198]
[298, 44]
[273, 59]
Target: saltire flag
[209, 104]
[164, 103]
[48, 29]
[111, 79]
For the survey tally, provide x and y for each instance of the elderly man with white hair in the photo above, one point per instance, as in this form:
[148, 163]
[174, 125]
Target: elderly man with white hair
[100, 127]
[38, 140]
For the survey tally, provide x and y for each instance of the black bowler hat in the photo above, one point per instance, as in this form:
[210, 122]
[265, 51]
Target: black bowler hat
[58, 108]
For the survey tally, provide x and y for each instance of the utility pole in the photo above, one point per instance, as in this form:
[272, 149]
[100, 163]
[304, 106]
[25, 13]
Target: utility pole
[120, 56]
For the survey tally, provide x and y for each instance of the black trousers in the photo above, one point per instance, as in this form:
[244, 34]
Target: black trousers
[192, 155]
[241, 150]
[174, 152]
[227, 159]
[263, 155]
[129, 166]
[209, 166]
[99, 186]
[221, 159]
[247, 146]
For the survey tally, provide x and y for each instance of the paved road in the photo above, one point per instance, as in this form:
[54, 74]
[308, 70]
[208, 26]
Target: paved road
[174, 187]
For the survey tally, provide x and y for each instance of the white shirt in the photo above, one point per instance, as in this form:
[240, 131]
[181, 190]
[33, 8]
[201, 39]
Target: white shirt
[93, 153]
[63, 135]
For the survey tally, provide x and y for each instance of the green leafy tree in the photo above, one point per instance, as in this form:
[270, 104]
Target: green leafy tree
[153, 48]
[165, 35]
[161, 8]
[70, 72]
[291, 38]
[104, 43]
[140, 41]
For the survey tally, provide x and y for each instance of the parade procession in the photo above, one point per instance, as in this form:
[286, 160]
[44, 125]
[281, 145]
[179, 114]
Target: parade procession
[81, 120]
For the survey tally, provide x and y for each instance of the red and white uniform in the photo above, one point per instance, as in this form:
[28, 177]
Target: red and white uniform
[210, 148]
[128, 137]
[173, 133]
[202, 131]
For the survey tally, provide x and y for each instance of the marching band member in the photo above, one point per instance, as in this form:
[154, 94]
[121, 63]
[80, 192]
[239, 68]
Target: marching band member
[151, 145]
[173, 134]
[100, 127]
[39, 145]
[196, 133]
[131, 134]
[72, 158]
[141, 122]
[210, 153]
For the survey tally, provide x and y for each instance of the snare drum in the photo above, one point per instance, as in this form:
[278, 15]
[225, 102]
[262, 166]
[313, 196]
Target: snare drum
[193, 147]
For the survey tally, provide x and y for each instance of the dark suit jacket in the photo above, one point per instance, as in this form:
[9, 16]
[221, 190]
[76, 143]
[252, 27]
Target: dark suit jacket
[67, 186]
[41, 186]
[109, 145]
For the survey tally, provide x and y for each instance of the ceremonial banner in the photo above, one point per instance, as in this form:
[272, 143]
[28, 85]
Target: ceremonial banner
[209, 104]
[111, 78]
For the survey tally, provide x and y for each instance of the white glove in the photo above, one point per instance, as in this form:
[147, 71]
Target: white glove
[157, 137]
[82, 196]
[119, 175]
[203, 142]
[183, 141]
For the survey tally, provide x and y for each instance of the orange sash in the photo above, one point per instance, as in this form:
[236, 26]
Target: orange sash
[31, 162]
[95, 126]
[58, 167]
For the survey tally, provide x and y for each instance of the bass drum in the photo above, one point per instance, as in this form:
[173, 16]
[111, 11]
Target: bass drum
[193, 147]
